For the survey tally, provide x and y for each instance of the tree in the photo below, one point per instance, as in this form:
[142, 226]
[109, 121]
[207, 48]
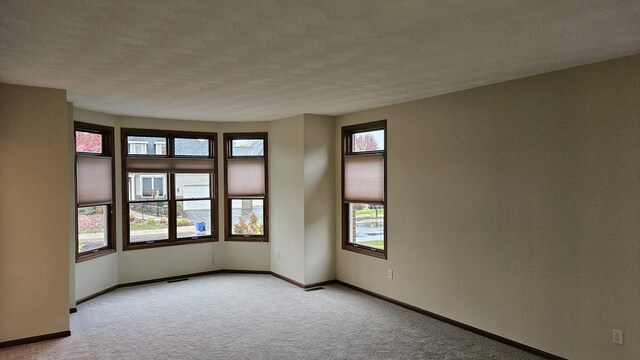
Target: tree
[88, 142]
[364, 142]
[252, 228]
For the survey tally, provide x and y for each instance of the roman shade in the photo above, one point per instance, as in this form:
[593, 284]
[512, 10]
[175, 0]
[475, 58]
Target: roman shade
[170, 164]
[94, 180]
[245, 177]
[364, 178]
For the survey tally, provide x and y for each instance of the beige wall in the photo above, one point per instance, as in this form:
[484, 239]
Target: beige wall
[286, 190]
[95, 275]
[514, 208]
[301, 189]
[319, 205]
[34, 216]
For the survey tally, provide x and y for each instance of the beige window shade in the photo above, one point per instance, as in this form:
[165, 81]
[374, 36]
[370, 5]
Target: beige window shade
[364, 178]
[169, 164]
[245, 177]
[94, 180]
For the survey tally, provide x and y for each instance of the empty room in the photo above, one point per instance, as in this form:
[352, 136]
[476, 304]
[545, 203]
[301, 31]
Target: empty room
[330, 179]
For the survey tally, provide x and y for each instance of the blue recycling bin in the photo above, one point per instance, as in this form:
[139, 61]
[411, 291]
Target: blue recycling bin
[201, 226]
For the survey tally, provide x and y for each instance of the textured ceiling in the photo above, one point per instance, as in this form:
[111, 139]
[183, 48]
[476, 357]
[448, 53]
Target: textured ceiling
[238, 60]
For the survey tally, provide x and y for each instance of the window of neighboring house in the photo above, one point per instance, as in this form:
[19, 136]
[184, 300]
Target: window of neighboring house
[138, 147]
[364, 188]
[246, 190]
[170, 193]
[152, 186]
[95, 184]
[161, 148]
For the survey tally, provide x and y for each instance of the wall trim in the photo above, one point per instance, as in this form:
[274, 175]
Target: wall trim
[464, 326]
[301, 285]
[167, 278]
[290, 281]
[95, 295]
[33, 339]
[320, 283]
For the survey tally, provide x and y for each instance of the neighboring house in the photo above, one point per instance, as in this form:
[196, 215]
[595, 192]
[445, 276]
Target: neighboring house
[248, 147]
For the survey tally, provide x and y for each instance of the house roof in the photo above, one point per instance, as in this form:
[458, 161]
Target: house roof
[255, 149]
[181, 147]
[241, 60]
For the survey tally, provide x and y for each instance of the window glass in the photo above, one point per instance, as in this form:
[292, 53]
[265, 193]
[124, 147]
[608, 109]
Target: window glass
[191, 147]
[367, 141]
[92, 228]
[89, 142]
[192, 186]
[247, 147]
[148, 221]
[146, 145]
[193, 218]
[367, 225]
[247, 217]
[147, 186]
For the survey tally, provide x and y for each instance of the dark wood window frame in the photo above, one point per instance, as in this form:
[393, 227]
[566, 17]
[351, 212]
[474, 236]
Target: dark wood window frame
[228, 138]
[171, 200]
[108, 151]
[347, 151]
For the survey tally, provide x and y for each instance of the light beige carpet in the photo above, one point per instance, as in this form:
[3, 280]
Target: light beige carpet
[239, 316]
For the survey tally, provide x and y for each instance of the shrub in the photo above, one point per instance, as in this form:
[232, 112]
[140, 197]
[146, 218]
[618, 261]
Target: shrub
[359, 206]
[184, 222]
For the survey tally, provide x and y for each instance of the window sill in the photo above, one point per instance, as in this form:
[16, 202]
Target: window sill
[93, 254]
[246, 239]
[164, 243]
[381, 254]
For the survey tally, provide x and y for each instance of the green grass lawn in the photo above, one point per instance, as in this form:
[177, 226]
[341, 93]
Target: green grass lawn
[135, 227]
[370, 212]
[378, 244]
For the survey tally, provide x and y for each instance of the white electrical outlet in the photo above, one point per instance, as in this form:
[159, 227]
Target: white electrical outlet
[277, 254]
[618, 336]
[390, 274]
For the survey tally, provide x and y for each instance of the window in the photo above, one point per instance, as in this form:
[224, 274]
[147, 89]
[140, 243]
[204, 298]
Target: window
[364, 188]
[137, 147]
[170, 192]
[95, 184]
[152, 185]
[246, 190]
[161, 148]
